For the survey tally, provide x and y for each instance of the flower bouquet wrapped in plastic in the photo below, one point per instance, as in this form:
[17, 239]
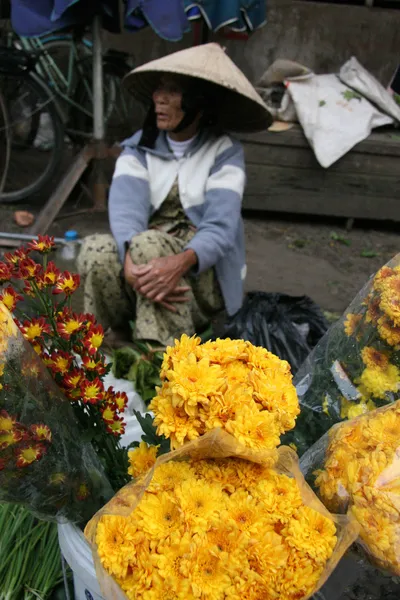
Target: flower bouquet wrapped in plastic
[60, 428]
[217, 520]
[227, 514]
[355, 368]
[355, 467]
[44, 462]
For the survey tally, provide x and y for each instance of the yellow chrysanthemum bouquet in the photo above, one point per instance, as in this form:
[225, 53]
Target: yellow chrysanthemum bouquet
[226, 515]
[355, 368]
[360, 473]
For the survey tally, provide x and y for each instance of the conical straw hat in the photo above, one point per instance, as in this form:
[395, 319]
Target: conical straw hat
[240, 108]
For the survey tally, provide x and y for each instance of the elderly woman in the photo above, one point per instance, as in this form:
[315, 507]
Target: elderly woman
[176, 256]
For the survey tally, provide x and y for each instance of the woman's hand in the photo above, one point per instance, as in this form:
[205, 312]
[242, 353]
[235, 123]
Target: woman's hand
[158, 280]
[132, 271]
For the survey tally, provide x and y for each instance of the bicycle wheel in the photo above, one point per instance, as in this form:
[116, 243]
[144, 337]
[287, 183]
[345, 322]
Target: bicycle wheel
[122, 113]
[5, 143]
[37, 136]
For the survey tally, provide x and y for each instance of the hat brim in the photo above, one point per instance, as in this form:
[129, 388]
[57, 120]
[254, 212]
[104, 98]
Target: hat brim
[234, 111]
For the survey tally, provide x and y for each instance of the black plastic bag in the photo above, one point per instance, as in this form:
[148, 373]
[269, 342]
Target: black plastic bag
[288, 326]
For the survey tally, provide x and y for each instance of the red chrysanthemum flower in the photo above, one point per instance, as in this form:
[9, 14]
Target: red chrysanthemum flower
[94, 339]
[60, 362]
[6, 272]
[67, 283]
[50, 275]
[41, 432]
[109, 395]
[37, 346]
[117, 427]
[2, 464]
[28, 290]
[10, 298]
[29, 454]
[90, 320]
[121, 401]
[29, 269]
[94, 364]
[43, 244]
[7, 421]
[73, 379]
[35, 328]
[9, 438]
[92, 391]
[82, 492]
[69, 323]
[15, 258]
[108, 413]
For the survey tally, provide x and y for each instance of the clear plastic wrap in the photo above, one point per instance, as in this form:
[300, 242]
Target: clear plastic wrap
[355, 468]
[355, 367]
[45, 464]
[248, 545]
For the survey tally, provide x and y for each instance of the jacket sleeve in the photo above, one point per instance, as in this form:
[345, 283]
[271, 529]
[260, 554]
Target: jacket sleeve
[217, 231]
[129, 199]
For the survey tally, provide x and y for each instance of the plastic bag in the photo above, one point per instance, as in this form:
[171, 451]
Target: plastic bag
[45, 465]
[355, 467]
[217, 542]
[355, 366]
[329, 110]
[288, 326]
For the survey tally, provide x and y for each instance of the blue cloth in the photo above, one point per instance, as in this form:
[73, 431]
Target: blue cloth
[239, 15]
[211, 179]
[37, 17]
[166, 17]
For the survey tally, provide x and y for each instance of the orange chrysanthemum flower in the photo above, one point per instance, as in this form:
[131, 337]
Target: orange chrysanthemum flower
[28, 454]
[10, 297]
[60, 362]
[41, 432]
[94, 339]
[92, 391]
[374, 359]
[67, 283]
[35, 328]
[43, 244]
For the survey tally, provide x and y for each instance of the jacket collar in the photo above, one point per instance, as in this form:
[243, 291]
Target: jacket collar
[161, 147]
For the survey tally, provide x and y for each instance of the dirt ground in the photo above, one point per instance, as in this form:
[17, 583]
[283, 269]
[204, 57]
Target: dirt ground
[290, 254]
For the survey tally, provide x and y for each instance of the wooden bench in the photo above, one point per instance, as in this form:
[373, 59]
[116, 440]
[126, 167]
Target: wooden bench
[283, 175]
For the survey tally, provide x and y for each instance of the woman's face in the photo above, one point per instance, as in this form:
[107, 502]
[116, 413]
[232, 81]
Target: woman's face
[167, 100]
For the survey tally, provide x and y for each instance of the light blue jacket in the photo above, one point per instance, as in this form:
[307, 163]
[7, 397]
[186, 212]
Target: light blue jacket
[211, 178]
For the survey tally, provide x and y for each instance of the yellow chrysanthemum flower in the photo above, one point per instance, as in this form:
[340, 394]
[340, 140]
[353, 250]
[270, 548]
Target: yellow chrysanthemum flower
[390, 301]
[389, 332]
[378, 382]
[312, 533]
[169, 476]
[274, 390]
[224, 352]
[351, 324]
[141, 459]
[182, 349]
[115, 539]
[382, 277]
[158, 515]
[171, 422]
[254, 429]
[199, 501]
[246, 513]
[207, 573]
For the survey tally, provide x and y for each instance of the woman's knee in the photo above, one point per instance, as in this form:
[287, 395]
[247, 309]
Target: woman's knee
[148, 245]
[96, 250]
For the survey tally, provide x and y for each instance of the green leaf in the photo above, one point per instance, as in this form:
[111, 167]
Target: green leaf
[322, 102]
[351, 95]
[300, 243]
[337, 237]
[369, 253]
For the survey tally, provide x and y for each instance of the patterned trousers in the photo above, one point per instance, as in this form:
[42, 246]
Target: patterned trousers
[114, 303]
